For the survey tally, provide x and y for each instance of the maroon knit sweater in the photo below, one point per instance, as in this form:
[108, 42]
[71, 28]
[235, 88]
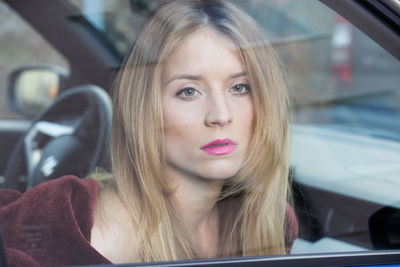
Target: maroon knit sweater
[50, 225]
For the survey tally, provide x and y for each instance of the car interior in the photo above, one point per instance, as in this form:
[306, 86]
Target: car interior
[345, 174]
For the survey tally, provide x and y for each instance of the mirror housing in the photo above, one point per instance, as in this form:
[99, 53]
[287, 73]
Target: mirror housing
[32, 88]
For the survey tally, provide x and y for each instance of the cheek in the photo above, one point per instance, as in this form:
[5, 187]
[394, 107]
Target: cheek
[179, 124]
[245, 118]
[176, 116]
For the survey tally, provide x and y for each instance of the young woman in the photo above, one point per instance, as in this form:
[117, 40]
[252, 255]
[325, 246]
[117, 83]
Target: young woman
[200, 145]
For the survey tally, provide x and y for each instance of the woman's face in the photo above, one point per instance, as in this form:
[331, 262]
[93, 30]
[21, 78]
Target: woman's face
[207, 107]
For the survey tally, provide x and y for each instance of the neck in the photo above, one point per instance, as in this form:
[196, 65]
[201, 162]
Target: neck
[195, 200]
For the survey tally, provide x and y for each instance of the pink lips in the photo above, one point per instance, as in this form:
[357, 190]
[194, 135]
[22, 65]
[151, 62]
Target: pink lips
[220, 147]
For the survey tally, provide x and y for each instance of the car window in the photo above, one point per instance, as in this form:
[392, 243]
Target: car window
[345, 121]
[345, 110]
[21, 46]
[117, 22]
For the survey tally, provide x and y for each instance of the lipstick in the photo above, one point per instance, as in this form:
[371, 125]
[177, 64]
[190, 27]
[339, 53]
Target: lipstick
[219, 147]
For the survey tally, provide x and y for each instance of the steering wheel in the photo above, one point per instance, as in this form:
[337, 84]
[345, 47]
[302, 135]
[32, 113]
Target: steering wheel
[71, 136]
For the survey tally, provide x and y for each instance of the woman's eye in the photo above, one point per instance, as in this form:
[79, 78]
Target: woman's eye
[241, 89]
[188, 92]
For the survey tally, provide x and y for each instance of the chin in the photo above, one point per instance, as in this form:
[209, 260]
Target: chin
[218, 176]
[220, 171]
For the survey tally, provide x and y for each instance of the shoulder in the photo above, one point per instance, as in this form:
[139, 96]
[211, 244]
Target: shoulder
[68, 185]
[58, 188]
[68, 195]
[58, 214]
[67, 191]
[113, 233]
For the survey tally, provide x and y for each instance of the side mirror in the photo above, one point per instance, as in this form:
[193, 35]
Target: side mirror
[33, 88]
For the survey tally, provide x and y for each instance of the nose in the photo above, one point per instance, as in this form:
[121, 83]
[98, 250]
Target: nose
[218, 111]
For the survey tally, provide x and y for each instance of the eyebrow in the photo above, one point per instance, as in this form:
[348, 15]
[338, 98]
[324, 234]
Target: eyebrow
[184, 77]
[199, 77]
[237, 75]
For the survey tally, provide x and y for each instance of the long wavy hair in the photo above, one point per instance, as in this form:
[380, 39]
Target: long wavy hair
[252, 204]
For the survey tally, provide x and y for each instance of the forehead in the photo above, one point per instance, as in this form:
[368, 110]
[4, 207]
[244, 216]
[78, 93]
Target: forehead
[206, 38]
[205, 48]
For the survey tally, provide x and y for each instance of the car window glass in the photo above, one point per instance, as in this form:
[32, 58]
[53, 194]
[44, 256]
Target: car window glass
[345, 134]
[345, 110]
[345, 123]
[117, 22]
[20, 46]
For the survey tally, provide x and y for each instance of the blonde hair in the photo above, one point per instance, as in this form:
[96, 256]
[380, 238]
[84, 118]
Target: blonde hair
[259, 190]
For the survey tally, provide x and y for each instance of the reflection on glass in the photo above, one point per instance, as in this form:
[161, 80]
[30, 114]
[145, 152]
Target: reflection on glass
[345, 139]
